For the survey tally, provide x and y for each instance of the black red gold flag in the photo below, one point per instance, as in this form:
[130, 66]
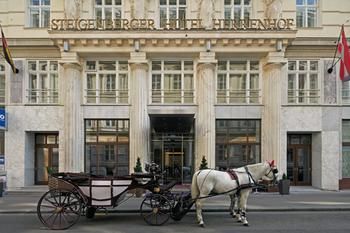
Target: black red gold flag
[7, 54]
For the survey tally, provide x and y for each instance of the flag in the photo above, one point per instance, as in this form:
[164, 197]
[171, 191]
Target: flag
[7, 54]
[343, 50]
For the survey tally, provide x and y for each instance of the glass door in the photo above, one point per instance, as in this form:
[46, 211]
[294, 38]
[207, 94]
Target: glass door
[299, 159]
[46, 157]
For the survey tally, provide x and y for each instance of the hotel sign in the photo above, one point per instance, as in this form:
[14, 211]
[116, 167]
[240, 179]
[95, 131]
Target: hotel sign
[172, 24]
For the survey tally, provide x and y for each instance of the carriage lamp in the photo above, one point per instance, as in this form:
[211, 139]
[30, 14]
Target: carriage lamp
[156, 189]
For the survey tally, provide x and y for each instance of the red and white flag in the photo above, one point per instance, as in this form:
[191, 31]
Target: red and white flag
[343, 50]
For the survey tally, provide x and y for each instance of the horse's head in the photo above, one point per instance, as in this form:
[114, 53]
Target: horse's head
[271, 171]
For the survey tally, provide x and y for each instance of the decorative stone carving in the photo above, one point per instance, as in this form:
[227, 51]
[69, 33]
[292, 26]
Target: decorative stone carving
[273, 9]
[72, 9]
[206, 12]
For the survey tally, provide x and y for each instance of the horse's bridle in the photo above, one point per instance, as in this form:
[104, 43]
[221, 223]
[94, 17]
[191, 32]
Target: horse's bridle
[274, 171]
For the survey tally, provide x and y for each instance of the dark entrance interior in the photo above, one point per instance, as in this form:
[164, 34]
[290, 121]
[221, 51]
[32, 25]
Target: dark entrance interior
[173, 146]
[46, 156]
[299, 159]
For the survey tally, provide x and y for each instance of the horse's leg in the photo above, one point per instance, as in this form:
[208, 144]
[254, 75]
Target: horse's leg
[199, 212]
[243, 205]
[232, 205]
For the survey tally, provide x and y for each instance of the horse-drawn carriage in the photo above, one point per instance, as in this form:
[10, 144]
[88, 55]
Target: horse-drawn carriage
[74, 194]
[71, 195]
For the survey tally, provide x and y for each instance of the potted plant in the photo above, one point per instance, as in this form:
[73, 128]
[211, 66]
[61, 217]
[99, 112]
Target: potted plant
[204, 164]
[138, 169]
[283, 185]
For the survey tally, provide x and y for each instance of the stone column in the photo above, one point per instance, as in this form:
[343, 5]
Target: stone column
[139, 119]
[73, 135]
[73, 9]
[272, 101]
[205, 116]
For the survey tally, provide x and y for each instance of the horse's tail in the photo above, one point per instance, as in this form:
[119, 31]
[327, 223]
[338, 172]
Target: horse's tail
[194, 186]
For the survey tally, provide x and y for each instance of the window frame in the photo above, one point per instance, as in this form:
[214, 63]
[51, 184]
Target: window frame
[103, 7]
[229, 93]
[307, 72]
[115, 131]
[232, 6]
[39, 7]
[3, 79]
[123, 94]
[228, 131]
[305, 8]
[53, 93]
[162, 91]
[167, 7]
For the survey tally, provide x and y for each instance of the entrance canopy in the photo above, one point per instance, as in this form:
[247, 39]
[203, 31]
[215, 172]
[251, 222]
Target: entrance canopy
[172, 123]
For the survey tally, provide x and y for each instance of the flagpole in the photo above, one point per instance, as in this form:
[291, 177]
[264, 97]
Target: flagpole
[330, 69]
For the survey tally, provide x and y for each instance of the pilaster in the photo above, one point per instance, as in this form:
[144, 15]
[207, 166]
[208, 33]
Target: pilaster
[72, 138]
[205, 116]
[271, 115]
[139, 119]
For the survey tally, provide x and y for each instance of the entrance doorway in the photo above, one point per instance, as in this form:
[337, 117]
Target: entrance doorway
[46, 156]
[299, 159]
[172, 146]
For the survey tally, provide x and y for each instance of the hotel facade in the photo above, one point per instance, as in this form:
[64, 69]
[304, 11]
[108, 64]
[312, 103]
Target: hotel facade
[103, 82]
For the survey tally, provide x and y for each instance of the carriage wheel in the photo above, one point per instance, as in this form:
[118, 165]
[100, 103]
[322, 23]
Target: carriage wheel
[59, 209]
[155, 209]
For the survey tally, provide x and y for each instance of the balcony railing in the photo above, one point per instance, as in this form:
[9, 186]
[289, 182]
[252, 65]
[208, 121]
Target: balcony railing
[171, 96]
[228, 96]
[42, 96]
[304, 96]
[110, 96]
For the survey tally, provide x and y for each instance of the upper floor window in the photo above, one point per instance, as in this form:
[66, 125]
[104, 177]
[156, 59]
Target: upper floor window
[170, 11]
[108, 9]
[307, 13]
[43, 82]
[39, 13]
[172, 82]
[238, 82]
[2, 83]
[237, 9]
[106, 82]
[345, 92]
[303, 82]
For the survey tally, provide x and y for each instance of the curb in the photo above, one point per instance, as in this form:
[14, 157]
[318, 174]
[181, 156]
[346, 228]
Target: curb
[204, 210]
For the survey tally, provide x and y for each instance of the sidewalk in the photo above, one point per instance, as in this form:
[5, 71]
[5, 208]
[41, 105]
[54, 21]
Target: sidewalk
[299, 199]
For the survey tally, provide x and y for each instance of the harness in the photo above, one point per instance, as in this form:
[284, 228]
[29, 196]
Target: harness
[233, 174]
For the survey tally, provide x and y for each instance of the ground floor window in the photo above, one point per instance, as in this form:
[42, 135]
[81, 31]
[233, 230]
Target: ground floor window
[346, 149]
[238, 143]
[107, 147]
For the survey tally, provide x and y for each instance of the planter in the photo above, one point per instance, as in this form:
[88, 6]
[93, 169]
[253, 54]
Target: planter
[283, 187]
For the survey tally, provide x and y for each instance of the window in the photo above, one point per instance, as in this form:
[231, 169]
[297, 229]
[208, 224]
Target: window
[170, 11]
[307, 13]
[107, 147]
[237, 143]
[2, 83]
[237, 9]
[346, 149]
[172, 82]
[108, 9]
[345, 92]
[39, 13]
[43, 82]
[303, 83]
[106, 82]
[238, 82]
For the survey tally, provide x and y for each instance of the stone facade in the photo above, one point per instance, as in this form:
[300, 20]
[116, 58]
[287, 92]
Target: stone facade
[272, 48]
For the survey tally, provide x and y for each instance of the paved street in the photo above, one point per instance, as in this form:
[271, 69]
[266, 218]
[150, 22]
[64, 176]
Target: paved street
[260, 222]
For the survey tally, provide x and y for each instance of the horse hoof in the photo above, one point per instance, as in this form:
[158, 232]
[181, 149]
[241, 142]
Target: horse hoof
[201, 225]
[246, 224]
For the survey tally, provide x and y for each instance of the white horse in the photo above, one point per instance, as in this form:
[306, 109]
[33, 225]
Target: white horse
[208, 182]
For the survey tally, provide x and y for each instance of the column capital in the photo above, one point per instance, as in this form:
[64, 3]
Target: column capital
[207, 58]
[275, 58]
[71, 60]
[138, 60]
